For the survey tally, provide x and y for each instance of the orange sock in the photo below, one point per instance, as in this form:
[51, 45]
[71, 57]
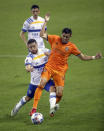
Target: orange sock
[37, 96]
[58, 99]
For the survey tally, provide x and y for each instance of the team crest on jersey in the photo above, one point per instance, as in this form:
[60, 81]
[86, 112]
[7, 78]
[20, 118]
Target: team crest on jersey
[66, 48]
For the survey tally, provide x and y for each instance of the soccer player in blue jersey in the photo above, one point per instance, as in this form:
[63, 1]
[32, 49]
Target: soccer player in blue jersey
[33, 26]
[34, 63]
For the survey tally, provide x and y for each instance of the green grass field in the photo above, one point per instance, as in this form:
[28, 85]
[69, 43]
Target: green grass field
[82, 106]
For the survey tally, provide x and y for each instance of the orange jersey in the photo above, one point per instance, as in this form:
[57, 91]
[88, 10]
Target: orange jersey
[60, 53]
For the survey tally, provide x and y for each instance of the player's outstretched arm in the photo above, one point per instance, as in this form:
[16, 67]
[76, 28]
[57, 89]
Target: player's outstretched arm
[86, 58]
[43, 34]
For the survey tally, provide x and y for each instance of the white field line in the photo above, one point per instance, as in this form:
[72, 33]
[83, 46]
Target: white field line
[22, 56]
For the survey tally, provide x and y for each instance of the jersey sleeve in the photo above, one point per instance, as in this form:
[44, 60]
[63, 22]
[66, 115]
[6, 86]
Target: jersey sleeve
[51, 39]
[75, 50]
[46, 50]
[28, 61]
[25, 26]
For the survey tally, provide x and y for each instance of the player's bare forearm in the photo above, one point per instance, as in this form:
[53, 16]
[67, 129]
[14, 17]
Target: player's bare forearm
[29, 68]
[22, 35]
[43, 33]
[86, 58]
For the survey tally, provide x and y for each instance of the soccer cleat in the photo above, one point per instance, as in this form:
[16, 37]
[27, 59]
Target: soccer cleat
[53, 110]
[32, 111]
[14, 111]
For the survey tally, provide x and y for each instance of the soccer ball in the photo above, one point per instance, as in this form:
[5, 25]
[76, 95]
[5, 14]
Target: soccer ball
[37, 118]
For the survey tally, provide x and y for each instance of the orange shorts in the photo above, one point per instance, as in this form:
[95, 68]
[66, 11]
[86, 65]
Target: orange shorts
[58, 78]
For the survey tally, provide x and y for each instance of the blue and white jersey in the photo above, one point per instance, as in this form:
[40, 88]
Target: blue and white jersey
[38, 61]
[33, 27]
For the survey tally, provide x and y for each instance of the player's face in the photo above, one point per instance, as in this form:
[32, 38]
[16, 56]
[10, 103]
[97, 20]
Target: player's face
[35, 12]
[65, 38]
[33, 48]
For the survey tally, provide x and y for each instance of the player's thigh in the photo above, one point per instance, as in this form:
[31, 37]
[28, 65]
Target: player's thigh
[59, 84]
[31, 90]
[59, 80]
[48, 85]
[45, 77]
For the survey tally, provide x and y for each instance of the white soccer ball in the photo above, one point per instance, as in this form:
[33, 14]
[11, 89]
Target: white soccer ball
[37, 118]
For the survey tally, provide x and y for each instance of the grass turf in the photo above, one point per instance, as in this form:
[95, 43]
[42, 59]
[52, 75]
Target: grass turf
[81, 108]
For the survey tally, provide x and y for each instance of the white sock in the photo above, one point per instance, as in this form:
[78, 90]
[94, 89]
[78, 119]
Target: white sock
[21, 102]
[52, 99]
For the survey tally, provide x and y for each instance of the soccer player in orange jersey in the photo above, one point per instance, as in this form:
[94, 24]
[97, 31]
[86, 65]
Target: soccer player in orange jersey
[56, 67]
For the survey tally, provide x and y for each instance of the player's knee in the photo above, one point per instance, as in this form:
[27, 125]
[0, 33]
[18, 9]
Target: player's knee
[27, 98]
[59, 94]
[59, 91]
[52, 89]
[43, 82]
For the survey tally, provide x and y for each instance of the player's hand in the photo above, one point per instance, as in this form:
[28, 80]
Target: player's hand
[98, 56]
[47, 17]
[47, 53]
[31, 69]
